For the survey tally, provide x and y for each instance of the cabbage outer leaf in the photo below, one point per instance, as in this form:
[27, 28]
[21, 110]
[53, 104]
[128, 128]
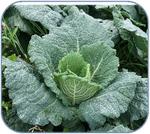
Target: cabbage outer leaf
[103, 61]
[120, 129]
[112, 129]
[130, 32]
[110, 102]
[40, 13]
[138, 108]
[34, 102]
[78, 29]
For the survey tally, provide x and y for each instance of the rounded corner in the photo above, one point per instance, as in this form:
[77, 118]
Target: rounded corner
[140, 6]
[141, 125]
[2, 117]
[8, 8]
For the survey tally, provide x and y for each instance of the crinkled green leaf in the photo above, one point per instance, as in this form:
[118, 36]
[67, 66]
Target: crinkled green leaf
[40, 13]
[128, 11]
[42, 52]
[138, 108]
[112, 129]
[13, 18]
[128, 31]
[120, 129]
[77, 89]
[111, 29]
[131, 10]
[73, 78]
[110, 102]
[73, 62]
[78, 29]
[21, 23]
[103, 129]
[77, 78]
[35, 103]
[58, 9]
[86, 29]
[13, 121]
[103, 61]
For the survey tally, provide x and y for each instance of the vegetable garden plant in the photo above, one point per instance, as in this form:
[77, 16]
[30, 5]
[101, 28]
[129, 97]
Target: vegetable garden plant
[74, 68]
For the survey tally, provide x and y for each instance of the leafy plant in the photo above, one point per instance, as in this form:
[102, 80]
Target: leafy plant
[72, 77]
[10, 39]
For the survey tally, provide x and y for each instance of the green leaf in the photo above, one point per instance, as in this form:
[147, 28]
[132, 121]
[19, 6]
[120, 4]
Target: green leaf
[104, 11]
[34, 102]
[40, 13]
[12, 57]
[13, 122]
[132, 33]
[112, 129]
[73, 62]
[48, 128]
[128, 31]
[45, 56]
[120, 129]
[6, 105]
[21, 23]
[110, 102]
[13, 19]
[131, 10]
[127, 11]
[85, 28]
[103, 129]
[103, 61]
[78, 29]
[58, 8]
[111, 29]
[77, 89]
[74, 125]
[138, 108]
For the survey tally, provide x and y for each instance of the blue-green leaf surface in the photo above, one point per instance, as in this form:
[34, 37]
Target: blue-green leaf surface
[112, 129]
[35, 103]
[110, 102]
[78, 29]
[103, 61]
[40, 13]
[120, 129]
[138, 108]
[130, 32]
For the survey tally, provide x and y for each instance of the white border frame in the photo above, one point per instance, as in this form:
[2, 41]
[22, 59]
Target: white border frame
[4, 4]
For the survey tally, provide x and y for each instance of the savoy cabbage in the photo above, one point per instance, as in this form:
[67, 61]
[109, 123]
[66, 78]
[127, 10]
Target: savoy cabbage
[72, 75]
